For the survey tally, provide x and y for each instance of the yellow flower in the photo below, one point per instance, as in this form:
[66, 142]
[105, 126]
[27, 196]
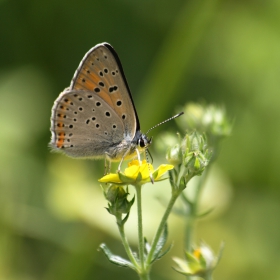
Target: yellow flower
[137, 173]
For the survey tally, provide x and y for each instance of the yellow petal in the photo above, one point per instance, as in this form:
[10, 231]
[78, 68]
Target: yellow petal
[162, 169]
[133, 162]
[197, 253]
[146, 169]
[132, 171]
[136, 162]
[112, 178]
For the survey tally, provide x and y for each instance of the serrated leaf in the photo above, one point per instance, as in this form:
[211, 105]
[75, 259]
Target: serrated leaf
[147, 246]
[163, 253]
[117, 260]
[161, 243]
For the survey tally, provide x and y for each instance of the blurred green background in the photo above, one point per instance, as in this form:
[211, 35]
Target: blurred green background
[52, 214]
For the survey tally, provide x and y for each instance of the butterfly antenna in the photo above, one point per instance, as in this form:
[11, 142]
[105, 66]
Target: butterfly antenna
[150, 155]
[174, 117]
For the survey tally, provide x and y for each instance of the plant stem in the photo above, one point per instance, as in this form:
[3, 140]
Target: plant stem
[144, 276]
[126, 246]
[161, 226]
[191, 220]
[189, 232]
[140, 228]
[208, 276]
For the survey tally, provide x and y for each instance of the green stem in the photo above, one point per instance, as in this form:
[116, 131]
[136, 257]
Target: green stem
[144, 276]
[140, 228]
[190, 225]
[208, 276]
[191, 220]
[161, 226]
[189, 233]
[127, 247]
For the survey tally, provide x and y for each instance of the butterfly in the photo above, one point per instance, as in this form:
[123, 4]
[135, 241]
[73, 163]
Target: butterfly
[95, 117]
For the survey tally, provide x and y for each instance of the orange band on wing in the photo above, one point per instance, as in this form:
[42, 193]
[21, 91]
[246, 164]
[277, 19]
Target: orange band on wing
[60, 140]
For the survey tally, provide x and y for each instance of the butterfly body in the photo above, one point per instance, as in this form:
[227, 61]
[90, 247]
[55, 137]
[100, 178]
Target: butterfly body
[95, 117]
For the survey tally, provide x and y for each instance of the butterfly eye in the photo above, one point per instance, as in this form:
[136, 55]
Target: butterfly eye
[142, 142]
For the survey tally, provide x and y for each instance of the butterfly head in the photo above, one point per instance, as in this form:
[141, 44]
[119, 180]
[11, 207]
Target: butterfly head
[143, 141]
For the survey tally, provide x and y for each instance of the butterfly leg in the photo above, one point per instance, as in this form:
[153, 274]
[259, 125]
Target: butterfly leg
[138, 156]
[123, 157]
[119, 167]
[107, 167]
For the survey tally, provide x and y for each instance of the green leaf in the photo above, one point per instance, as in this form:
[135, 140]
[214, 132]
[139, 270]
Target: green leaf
[163, 253]
[190, 258]
[155, 174]
[160, 244]
[123, 221]
[182, 272]
[147, 246]
[183, 183]
[125, 179]
[117, 260]
[172, 178]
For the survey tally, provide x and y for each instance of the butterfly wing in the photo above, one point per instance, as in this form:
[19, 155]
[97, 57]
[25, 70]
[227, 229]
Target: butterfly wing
[96, 113]
[84, 125]
[101, 71]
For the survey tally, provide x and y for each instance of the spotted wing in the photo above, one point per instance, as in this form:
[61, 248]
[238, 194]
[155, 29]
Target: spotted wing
[101, 72]
[85, 125]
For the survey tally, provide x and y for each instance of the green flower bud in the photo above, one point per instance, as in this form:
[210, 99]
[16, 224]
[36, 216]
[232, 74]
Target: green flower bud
[120, 207]
[211, 119]
[118, 203]
[174, 155]
[200, 261]
[115, 192]
[195, 153]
